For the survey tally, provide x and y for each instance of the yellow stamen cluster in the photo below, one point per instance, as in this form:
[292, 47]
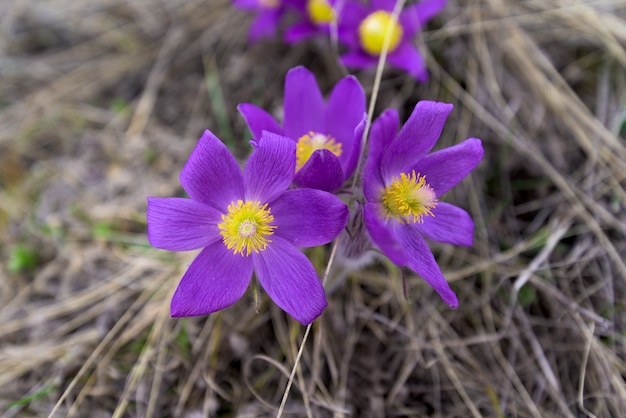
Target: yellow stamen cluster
[320, 11]
[373, 31]
[409, 198]
[246, 226]
[310, 143]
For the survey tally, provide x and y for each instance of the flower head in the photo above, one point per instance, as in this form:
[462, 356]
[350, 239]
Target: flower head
[402, 184]
[268, 16]
[327, 135]
[364, 29]
[315, 17]
[246, 222]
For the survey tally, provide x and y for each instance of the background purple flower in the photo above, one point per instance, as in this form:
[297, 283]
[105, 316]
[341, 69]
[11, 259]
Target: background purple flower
[268, 15]
[326, 134]
[362, 29]
[245, 222]
[314, 17]
[402, 184]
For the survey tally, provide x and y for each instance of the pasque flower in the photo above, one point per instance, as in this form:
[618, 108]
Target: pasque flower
[363, 30]
[246, 222]
[402, 184]
[326, 135]
[314, 17]
[268, 16]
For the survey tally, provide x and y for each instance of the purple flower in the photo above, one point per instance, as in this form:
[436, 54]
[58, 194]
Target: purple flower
[402, 184]
[327, 135]
[245, 222]
[315, 17]
[363, 30]
[269, 13]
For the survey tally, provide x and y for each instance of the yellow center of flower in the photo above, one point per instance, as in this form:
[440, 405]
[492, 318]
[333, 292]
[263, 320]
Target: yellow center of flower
[374, 29]
[320, 11]
[310, 143]
[269, 4]
[246, 226]
[408, 198]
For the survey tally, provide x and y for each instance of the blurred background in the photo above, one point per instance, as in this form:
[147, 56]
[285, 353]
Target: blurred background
[102, 101]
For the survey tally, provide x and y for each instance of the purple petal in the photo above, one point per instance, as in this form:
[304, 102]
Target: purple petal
[447, 167]
[353, 161]
[386, 5]
[247, 4]
[270, 168]
[352, 14]
[177, 224]
[322, 171]
[422, 261]
[344, 111]
[216, 279]
[304, 104]
[382, 233]
[407, 58]
[211, 174]
[450, 224]
[418, 135]
[290, 280]
[384, 130]
[358, 59]
[307, 217]
[415, 16]
[300, 31]
[264, 25]
[258, 120]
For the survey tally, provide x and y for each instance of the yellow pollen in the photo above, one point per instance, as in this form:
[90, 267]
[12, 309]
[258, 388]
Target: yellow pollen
[269, 4]
[310, 143]
[246, 226]
[409, 198]
[320, 11]
[373, 30]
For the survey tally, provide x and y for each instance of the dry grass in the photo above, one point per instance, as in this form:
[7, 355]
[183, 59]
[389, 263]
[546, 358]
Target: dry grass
[102, 101]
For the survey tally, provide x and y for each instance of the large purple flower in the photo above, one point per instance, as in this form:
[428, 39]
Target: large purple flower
[402, 184]
[363, 30]
[245, 222]
[269, 13]
[327, 135]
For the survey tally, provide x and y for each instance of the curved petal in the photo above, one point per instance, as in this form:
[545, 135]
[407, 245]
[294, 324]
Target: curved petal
[344, 111]
[447, 167]
[384, 130]
[422, 261]
[407, 58]
[216, 279]
[352, 14]
[258, 120]
[384, 235]
[300, 31]
[355, 154]
[270, 168]
[290, 280]
[304, 104]
[178, 224]
[358, 59]
[307, 217]
[322, 171]
[450, 224]
[211, 174]
[264, 25]
[418, 135]
[415, 16]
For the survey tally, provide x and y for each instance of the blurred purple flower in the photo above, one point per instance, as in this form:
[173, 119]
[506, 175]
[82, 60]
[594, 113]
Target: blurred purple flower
[244, 223]
[402, 184]
[269, 13]
[327, 135]
[363, 29]
[315, 17]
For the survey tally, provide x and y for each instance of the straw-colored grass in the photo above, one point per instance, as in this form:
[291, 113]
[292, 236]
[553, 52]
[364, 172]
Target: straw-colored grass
[102, 101]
